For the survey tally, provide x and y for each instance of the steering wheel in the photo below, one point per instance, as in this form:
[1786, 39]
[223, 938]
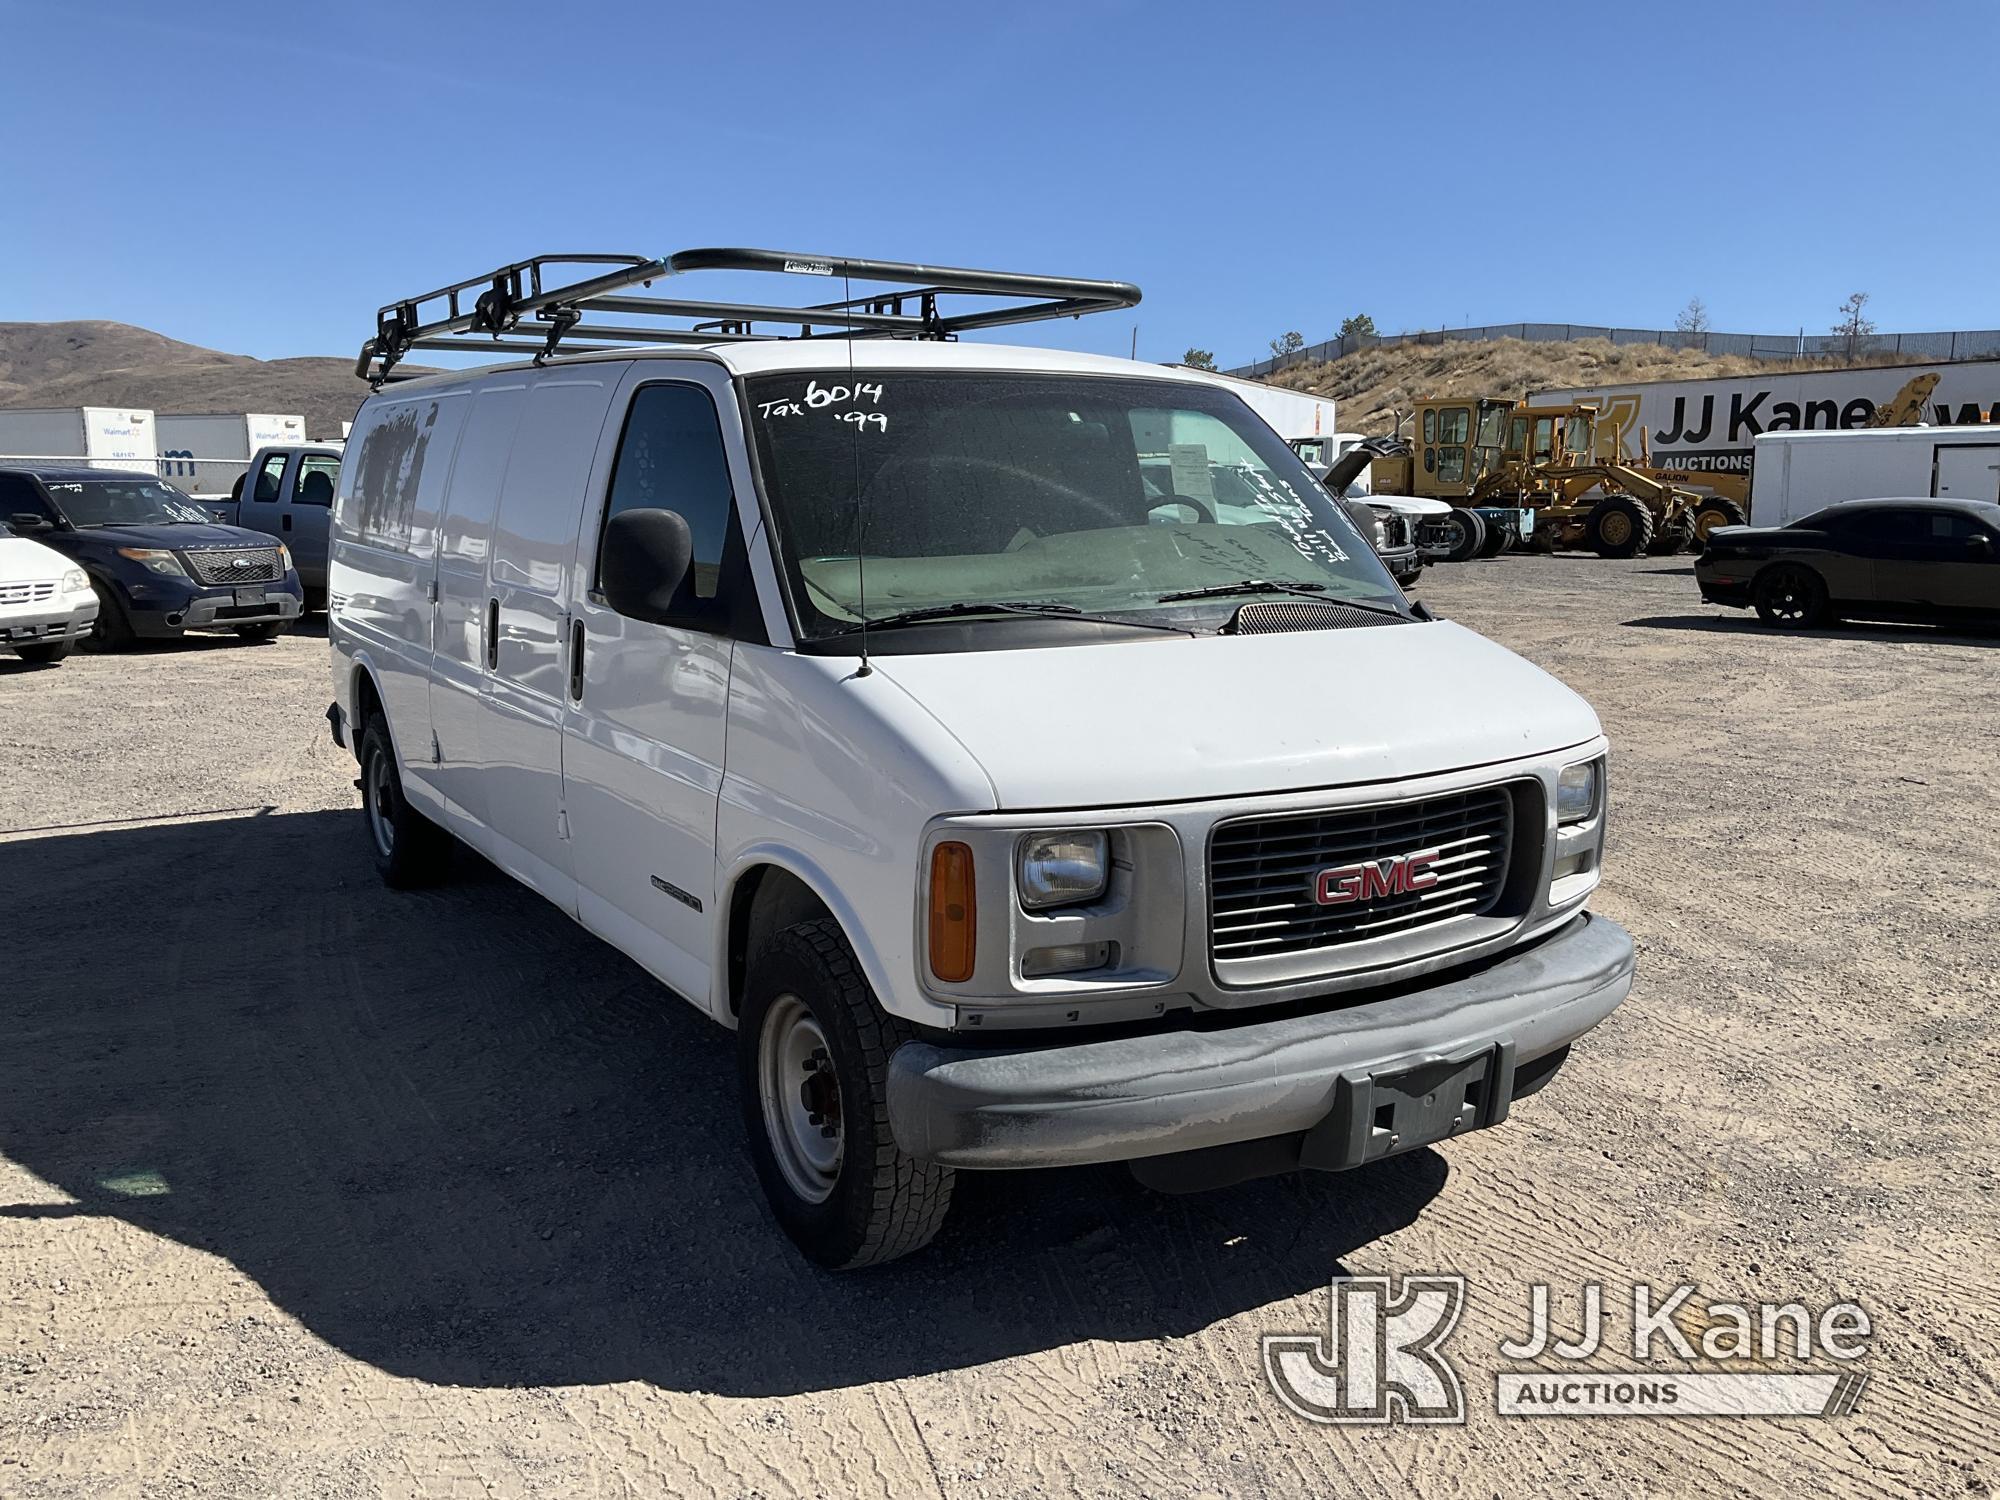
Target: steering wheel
[1203, 508]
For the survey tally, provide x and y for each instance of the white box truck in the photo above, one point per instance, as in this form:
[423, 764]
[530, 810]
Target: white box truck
[204, 453]
[96, 437]
[1710, 426]
[1797, 473]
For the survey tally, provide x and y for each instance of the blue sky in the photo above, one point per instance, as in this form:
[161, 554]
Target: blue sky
[260, 178]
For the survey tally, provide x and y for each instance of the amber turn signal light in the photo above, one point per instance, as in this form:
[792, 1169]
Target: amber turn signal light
[952, 922]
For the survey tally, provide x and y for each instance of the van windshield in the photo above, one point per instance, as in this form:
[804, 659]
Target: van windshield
[1091, 493]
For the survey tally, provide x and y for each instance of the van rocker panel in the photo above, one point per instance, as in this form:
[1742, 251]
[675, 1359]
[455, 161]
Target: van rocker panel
[1148, 1094]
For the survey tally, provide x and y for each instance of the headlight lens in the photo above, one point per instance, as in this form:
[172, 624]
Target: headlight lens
[284, 556]
[1577, 792]
[75, 582]
[156, 560]
[1063, 869]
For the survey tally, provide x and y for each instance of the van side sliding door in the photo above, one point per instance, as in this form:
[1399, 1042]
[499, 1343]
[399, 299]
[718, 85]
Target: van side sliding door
[528, 586]
[647, 703]
[461, 634]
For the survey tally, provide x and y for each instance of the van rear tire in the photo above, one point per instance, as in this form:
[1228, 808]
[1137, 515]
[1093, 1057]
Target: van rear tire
[409, 849]
[813, 1050]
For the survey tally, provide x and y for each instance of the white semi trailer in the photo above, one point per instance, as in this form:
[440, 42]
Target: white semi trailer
[1291, 414]
[1714, 426]
[1798, 473]
[94, 437]
[203, 454]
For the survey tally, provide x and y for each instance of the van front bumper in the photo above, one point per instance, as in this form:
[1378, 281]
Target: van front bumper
[1324, 1078]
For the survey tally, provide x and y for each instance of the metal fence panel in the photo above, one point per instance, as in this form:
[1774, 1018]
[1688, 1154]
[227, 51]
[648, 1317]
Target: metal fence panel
[1976, 344]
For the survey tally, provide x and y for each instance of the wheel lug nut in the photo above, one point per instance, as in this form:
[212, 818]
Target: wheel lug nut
[814, 1118]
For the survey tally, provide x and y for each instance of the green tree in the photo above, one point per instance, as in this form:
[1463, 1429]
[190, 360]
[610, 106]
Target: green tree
[1358, 327]
[1288, 345]
[1199, 359]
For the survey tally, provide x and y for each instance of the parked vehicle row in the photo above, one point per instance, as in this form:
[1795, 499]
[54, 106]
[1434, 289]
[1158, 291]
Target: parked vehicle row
[157, 562]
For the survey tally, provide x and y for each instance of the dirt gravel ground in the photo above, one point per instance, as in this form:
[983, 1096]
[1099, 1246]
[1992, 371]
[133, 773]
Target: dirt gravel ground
[308, 1188]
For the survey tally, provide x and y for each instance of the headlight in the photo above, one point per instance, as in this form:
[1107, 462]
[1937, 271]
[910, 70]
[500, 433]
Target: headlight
[284, 556]
[76, 582]
[156, 560]
[1576, 792]
[1062, 869]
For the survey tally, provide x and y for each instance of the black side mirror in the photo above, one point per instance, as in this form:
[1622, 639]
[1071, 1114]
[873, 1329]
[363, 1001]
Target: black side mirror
[647, 569]
[1979, 546]
[28, 520]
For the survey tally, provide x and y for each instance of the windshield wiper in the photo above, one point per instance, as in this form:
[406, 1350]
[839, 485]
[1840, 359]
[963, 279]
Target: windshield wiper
[1268, 586]
[1000, 607]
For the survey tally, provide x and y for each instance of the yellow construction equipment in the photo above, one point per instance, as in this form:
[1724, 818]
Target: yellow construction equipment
[1556, 476]
[1504, 460]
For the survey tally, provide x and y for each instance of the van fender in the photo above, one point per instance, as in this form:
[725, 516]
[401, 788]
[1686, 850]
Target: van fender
[873, 968]
[415, 788]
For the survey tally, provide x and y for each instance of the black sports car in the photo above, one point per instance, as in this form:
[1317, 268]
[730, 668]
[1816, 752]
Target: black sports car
[1883, 559]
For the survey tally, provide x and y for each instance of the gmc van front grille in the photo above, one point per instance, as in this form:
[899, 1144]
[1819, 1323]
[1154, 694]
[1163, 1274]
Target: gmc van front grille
[236, 565]
[1293, 894]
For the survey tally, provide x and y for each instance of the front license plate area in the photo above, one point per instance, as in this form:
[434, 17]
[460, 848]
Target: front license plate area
[1384, 1114]
[249, 596]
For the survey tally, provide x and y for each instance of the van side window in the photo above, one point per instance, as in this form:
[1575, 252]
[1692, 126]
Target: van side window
[671, 457]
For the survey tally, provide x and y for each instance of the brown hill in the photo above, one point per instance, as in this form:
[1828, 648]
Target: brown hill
[115, 364]
[1370, 384]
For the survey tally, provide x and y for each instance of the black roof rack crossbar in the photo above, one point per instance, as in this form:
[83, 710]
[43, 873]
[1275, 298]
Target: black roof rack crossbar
[480, 312]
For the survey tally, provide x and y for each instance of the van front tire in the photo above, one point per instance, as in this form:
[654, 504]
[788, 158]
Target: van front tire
[410, 850]
[813, 1052]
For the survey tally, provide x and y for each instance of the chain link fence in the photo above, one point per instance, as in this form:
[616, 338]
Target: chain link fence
[1977, 344]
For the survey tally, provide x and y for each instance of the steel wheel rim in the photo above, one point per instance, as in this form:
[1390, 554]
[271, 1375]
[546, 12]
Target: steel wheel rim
[800, 1096]
[380, 790]
[1616, 528]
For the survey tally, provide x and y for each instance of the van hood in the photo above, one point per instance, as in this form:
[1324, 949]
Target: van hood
[26, 561]
[1114, 724]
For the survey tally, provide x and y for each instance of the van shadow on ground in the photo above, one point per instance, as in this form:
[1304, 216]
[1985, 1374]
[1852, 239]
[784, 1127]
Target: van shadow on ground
[462, 1140]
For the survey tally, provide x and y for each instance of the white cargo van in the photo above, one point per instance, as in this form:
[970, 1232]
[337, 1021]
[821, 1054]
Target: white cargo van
[1797, 473]
[914, 708]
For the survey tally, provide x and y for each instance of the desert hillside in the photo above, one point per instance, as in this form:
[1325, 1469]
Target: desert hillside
[1368, 385]
[115, 364]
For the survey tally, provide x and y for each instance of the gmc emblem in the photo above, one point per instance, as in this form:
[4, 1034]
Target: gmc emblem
[1371, 880]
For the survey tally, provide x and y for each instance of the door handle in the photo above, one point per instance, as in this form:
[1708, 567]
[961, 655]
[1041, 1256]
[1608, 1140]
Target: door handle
[576, 661]
[285, 523]
[492, 634]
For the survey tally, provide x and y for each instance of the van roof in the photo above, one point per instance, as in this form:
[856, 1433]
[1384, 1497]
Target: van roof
[774, 356]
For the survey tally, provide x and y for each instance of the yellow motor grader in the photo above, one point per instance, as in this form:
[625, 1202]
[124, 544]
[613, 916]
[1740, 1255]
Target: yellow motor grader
[1542, 476]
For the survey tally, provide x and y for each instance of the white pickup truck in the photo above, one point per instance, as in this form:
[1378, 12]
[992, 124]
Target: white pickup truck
[918, 710]
[287, 492]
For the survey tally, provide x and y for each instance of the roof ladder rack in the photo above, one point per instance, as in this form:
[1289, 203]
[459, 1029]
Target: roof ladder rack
[480, 313]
